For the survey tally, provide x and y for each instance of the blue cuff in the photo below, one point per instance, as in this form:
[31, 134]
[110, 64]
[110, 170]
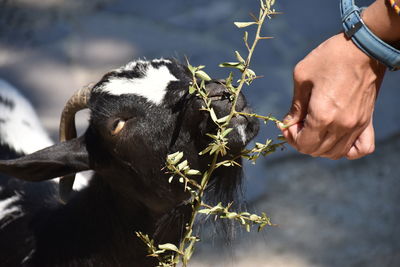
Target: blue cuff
[368, 42]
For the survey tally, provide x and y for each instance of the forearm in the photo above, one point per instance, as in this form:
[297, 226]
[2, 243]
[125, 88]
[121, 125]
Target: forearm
[383, 21]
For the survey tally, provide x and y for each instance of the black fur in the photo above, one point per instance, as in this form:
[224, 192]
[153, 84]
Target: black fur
[129, 191]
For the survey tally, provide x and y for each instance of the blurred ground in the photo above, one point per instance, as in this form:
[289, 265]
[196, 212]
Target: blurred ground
[343, 215]
[330, 213]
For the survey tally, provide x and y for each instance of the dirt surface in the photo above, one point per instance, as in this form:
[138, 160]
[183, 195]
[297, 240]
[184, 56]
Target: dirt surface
[328, 215]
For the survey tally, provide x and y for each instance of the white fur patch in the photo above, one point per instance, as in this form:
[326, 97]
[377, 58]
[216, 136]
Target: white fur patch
[242, 133]
[8, 210]
[161, 60]
[20, 127]
[82, 180]
[152, 85]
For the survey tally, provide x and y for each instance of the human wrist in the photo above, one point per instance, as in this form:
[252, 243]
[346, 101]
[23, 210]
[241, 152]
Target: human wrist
[381, 19]
[371, 44]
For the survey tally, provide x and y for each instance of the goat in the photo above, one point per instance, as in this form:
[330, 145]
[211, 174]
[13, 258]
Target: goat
[140, 113]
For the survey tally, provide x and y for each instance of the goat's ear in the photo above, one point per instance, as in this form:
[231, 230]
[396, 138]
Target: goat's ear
[54, 161]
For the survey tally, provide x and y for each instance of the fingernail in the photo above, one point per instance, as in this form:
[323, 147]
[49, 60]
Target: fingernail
[281, 125]
[287, 119]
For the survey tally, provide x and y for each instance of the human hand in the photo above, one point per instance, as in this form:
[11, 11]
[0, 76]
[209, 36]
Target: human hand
[335, 88]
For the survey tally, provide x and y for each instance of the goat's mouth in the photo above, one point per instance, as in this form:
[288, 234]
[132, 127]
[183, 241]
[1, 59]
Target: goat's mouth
[221, 97]
[245, 129]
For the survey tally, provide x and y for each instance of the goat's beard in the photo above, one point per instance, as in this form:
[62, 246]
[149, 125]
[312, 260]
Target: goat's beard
[226, 187]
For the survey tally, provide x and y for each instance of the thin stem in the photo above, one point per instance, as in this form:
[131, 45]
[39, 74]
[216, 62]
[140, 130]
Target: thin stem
[267, 118]
[248, 59]
[197, 205]
[197, 201]
[187, 180]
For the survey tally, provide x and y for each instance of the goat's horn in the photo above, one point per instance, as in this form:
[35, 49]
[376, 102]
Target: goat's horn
[77, 102]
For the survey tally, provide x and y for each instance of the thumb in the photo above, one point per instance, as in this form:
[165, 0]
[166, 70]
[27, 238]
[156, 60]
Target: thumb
[299, 107]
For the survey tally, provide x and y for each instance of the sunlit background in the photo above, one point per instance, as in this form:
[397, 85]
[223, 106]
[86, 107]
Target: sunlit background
[329, 213]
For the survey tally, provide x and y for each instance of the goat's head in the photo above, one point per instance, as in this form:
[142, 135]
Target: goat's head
[140, 113]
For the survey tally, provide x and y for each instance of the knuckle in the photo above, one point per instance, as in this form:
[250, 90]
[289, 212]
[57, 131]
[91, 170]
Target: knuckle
[323, 120]
[349, 123]
[299, 71]
[353, 122]
[368, 150]
[305, 150]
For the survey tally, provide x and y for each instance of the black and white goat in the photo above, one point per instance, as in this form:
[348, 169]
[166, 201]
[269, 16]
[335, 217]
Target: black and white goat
[139, 113]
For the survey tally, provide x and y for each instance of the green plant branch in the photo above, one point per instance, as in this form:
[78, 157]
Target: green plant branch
[168, 254]
[187, 180]
[244, 218]
[265, 13]
[265, 118]
[195, 208]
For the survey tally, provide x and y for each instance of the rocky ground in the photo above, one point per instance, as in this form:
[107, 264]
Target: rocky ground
[329, 213]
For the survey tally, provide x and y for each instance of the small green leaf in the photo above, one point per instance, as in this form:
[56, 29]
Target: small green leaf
[203, 85]
[244, 24]
[204, 211]
[229, 80]
[239, 57]
[182, 165]
[217, 208]
[214, 149]
[193, 172]
[206, 150]
[226, 132]
[246, 36]
[213, 115]
[250, 73]
[212, 136]
[254, 217]
[174, 158]
[192, 89]
[192, 69]
[202, 75]
[231, 215]
[169, 246]
[235, 65]
[223, 119]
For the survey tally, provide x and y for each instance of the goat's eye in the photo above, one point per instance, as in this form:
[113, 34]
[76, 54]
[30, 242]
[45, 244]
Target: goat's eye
[118, 125]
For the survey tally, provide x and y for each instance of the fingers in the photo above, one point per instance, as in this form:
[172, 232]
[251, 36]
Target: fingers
[364, 144]
[328, 143]
[290, 132]
[341, 147]
[301, 98]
